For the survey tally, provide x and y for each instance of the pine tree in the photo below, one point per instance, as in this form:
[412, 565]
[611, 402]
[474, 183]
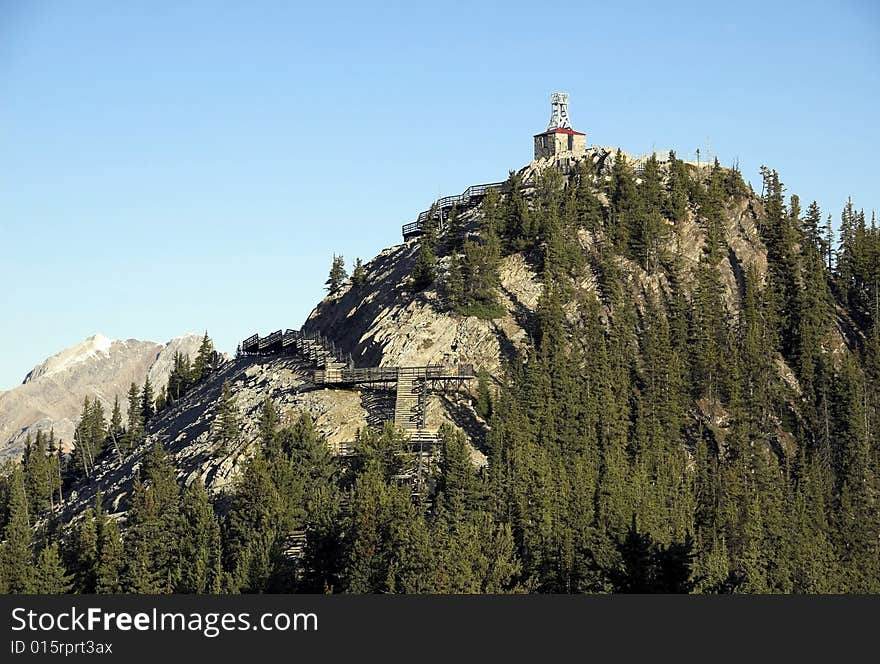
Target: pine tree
[588, 209]
[648, 232]
[37, 473]
[89, 437]
[624, 203]
[516, 218]
[180, 379]
[162, 399]
[453, 284]
[84, 552]
[16, 575]
[134, 432]
[56, 469]
[148, 401]
[252, 529]
[50, 575]
[484, 397]
[152, 554]
[456, 482]
[479, 272]
[204, 358]
[455, 231]
[199, 542]
[811, 228]
[114, 428]
[359, 274]
[677, 199]
[338, 275]
[424, 271]
[110, 557]
[389, 541]
[227, 427]
[269, 423]
[829, 243]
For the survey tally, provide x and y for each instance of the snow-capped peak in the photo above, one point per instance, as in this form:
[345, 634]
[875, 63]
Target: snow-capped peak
[94, 346]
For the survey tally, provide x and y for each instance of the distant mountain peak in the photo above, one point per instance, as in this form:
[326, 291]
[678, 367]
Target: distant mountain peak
[98, 367]
[93, 346]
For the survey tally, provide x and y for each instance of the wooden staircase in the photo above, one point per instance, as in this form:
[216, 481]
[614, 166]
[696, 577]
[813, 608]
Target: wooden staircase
[334, 369]
[409, 412]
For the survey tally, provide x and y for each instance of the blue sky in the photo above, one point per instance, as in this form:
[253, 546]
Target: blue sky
[168, 167]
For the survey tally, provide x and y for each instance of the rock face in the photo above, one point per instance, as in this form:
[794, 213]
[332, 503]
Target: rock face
[385, 324]
[52, 393]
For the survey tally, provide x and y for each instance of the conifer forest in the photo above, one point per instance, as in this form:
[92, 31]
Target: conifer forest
[704, 435]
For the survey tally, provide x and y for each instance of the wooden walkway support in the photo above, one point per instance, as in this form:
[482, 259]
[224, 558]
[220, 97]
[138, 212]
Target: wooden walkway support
[411, 384]
[434, 374]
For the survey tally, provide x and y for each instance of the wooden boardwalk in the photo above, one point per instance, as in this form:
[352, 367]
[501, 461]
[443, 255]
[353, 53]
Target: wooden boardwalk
[441, 208]
[333, 369]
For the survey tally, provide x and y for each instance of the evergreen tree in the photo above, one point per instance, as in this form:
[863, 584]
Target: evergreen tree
[484, 397]
[227, 427]
[204, 359]
[37, 473]
[153, 563]
[516, 218]
[269, 422]
[162, 399]
[479, 280]
[624, 203]
[16, 574]
[148, 401]
[83, 552]
[677, 200]
[811, 228]
[359, 274]
[180, 379]
[134, 432]
[453, 284]
[115, 429]
[424, 272]
[110, 556]
[201, 570]
[338, 275]
[454, 231]
[252, 529]
[50, 575]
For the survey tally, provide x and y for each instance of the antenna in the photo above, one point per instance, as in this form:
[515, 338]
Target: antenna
[559, 113]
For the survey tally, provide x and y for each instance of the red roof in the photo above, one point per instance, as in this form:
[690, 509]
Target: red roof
[560, 130]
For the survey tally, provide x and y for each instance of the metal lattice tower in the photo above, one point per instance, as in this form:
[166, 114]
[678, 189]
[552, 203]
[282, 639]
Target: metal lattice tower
[559, 116]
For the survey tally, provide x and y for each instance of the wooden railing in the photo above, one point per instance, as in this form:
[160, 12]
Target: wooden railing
[280, 341]
[251, 343]
[391, 374]
[469, 197]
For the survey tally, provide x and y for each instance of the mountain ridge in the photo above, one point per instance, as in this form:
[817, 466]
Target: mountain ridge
[52, 393]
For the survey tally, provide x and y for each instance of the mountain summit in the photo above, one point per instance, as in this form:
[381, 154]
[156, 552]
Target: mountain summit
[51, 396]
[95, 346]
